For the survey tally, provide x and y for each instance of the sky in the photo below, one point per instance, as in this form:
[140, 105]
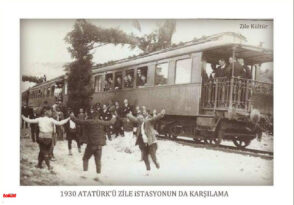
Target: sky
[44, 51]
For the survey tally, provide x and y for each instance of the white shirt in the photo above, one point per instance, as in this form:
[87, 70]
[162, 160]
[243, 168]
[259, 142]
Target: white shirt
[144, 136]
[72, 124]
[46, 124]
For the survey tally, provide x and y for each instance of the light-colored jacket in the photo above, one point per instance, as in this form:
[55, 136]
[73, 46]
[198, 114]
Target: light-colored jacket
[148, 127]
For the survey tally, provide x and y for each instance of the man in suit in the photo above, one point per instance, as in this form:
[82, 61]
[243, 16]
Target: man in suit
[220, 70]
[246, 72]
[106, 116]
[126, 108]
[146, 137]
[238, 69]
[94, 138]
[118, 124]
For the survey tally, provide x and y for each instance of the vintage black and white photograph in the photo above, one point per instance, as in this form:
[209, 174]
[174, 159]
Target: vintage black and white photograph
[146, 102]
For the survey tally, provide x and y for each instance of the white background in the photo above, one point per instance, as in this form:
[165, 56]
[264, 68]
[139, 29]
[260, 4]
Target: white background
[280, 11]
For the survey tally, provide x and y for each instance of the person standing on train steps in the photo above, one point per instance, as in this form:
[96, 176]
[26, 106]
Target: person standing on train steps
[46, 125]
[146, 137]
[221, 69]
[246, 74]
[238, 69]
[94, 138]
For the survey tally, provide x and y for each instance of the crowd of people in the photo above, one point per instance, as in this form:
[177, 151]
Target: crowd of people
[94, 128]
[127, 80]
[224, 69]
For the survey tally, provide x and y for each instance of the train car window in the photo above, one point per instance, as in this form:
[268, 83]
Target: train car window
[118, 80]
[183, 71]
[161, 74]
[108, 82]
[98, 83]
[129, 78]
[142, 76]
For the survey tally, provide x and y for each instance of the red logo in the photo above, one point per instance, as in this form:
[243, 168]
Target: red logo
[9, 195]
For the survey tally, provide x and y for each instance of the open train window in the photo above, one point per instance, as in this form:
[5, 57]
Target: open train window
[129, 78]
[108, 82]
[161, 74]
[118, 80]
[183, 71]
[142, 76]
[98, 84]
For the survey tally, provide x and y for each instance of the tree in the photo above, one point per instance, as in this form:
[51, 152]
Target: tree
[32, 79]
[159, 39]
[83, 38]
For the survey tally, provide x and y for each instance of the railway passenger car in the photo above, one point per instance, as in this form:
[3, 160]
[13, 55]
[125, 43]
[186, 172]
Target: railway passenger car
[175, 79]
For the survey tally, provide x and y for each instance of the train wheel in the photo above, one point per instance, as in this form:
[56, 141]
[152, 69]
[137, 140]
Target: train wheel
[241, 143]
[206, 141]
[220, 135]
[167, 135]
[196, 140]
[174, 137]
[214, 141]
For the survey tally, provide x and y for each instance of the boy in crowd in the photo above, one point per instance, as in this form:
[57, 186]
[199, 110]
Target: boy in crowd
[146, 137]
[106, 116]
[72, 134]
[95, 139]
[46, 125]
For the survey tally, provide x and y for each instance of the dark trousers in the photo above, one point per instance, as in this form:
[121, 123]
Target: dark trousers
[108, 132]
[95, 150]
[149, 150]
[34, 133]
[44, 154]
[72, 136]
[118, 128]
[53, 145]
[59, 132]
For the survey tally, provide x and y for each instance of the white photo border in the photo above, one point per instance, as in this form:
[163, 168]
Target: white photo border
[280, 11]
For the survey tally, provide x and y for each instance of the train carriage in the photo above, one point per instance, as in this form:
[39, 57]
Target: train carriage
[177, 79]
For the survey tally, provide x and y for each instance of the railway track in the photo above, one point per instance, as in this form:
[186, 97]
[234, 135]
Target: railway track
[225, 148]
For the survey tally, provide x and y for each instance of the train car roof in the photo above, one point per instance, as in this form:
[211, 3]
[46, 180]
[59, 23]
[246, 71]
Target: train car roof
[218, 45]
[251, 54]
[59, 78]
[215, 46]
